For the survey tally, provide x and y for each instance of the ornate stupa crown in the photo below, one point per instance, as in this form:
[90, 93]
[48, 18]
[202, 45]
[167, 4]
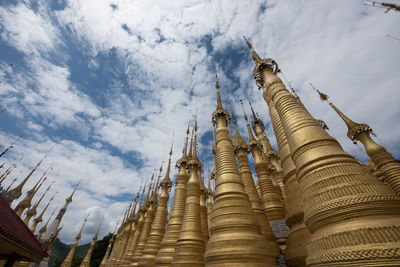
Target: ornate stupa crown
[353, 128]
[260, 63]
[238, 141]
[69, 199]
[194, 161]
[220, 111]
[166, 182]
[252, 140]
[256, 120]
[184, 158]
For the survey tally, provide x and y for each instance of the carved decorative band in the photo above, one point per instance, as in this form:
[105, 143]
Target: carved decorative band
[352, 189]
[313, 145]
[223, 135]
[346, 257]
[362, 236]
[280, 92]
[315, 215]
[334, 171]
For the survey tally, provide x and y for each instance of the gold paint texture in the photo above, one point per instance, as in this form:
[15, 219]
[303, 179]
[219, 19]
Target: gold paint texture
[209, 204]
[383, 160]
[32, 211]
[354, 219]
[137, 221]
[16, 192]
[86, 260]
[240, 149]
[158, 228]
[236, 237]
[148, 222]
[296, 251]
[270, 194]
[68, 260]
[165, 255]
[39, 218]
[121, 240]
[26, 202]
[203, 208]
[269, 153]
[190, 246]
[107, 254]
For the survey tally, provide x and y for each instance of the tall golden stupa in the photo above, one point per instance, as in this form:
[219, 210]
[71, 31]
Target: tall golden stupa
[311, 205]
[307, 203]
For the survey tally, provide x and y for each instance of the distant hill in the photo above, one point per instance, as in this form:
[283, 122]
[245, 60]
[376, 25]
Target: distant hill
[60, 251]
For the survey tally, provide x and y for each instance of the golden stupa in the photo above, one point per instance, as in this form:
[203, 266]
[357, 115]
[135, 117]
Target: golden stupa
[307, 202]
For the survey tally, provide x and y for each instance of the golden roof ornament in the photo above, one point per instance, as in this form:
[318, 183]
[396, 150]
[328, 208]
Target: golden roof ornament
[238, 141]
[194, 159]
[39, 218]
[26, 202]
[69, 199]
[220, 110]
[166, 182]
[252, 139]
[133, 211]
[385, 161]
[256, 120]
[44, 227]
[150, 187]
[260, 63]
[270, 155]
[190, 155]
[268, 151]
[32, 211]
[17, 191]
[184, 157]
[354, 129]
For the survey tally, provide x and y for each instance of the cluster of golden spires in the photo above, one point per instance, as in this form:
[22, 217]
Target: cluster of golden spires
[312, 204]
[334, 209]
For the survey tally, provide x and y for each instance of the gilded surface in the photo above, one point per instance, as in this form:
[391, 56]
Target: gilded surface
[270, 194]
[295, 252]
[190, 245]
[203, 211]
[158, 228]
[166, 253]
[235, 233]
[240, 149]
[333, 205]
[383, 160]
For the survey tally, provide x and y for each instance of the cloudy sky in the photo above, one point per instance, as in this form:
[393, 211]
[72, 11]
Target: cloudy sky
[99, 86]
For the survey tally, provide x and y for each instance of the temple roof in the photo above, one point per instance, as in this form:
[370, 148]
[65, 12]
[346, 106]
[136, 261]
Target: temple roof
[15, 236]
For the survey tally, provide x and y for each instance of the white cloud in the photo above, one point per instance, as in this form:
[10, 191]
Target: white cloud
[28, 31]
